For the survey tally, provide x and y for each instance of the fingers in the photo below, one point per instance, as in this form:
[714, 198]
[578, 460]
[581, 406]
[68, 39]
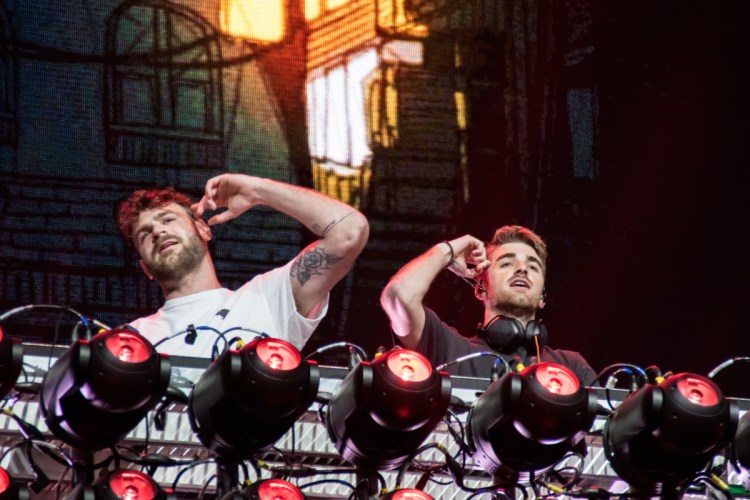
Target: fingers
[221, 218]
[212, 186]
[471, 249]
[197, 209]
[208, 201]
[468, 245]
[481, 266]
[470, 257]
[200, 208]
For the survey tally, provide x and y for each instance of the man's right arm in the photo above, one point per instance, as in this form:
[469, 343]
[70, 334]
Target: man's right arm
[402, 297]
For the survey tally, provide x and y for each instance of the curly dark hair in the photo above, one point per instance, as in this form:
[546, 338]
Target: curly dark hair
[145, 199]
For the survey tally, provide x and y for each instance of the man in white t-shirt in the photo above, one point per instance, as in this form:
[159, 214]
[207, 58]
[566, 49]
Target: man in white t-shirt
[199, 316]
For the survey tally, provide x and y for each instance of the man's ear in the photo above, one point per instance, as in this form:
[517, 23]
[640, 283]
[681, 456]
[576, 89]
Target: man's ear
[204, 230]
[480, 292]
[543, 299]
[145, 269]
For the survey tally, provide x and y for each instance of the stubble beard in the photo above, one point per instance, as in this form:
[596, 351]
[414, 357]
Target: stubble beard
[175, 267]
[516, 305]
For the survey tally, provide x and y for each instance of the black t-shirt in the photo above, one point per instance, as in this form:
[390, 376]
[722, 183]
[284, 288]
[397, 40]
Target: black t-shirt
[441, 344]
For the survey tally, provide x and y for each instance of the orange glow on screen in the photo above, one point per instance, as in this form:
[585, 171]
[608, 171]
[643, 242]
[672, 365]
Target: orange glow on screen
[312, 9]
[332, 4]
[256, 19]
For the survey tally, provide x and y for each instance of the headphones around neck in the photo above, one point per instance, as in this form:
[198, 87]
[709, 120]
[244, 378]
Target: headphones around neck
[506, 335]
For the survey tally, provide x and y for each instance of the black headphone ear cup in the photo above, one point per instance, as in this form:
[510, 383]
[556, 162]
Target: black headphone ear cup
[503, 334]
[534, 328]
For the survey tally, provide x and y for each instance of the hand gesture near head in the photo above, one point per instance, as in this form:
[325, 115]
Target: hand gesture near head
[235, 192]
[468, 256]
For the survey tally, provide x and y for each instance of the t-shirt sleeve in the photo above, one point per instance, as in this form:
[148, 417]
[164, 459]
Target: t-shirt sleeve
[432, 343]
[441, 343]
[276, 288]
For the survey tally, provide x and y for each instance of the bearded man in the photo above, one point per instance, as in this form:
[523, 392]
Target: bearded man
[287, 302]
[509, 275]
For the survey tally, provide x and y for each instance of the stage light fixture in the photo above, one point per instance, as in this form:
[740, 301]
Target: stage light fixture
[528, 421]
[99, 389]
[10, 489]
[741, 449]
[248, 399]
[127, 484]
[272, 489]
[407, 494]
[382, 411]
[662, 435]
[11, 360]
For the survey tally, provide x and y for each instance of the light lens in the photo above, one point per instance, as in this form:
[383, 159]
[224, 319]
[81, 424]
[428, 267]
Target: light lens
[132, 485]
[278, 355]
[4, 480]
[409, 366]
[697, 391]
[128, 347]
[277, 489]
[557, 379]
[411, 495]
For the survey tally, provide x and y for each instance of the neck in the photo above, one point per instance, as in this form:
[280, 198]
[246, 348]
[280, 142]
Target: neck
[523, 316]
[198, 280]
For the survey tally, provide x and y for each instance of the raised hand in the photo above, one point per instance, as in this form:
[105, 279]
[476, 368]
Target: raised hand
[468, 256]
[235, 192]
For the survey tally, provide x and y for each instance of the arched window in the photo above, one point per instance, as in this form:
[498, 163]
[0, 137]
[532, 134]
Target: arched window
[8, 82]
[163, 95]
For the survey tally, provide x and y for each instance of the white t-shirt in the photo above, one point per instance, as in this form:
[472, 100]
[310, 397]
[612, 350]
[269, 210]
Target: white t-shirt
[264, 304]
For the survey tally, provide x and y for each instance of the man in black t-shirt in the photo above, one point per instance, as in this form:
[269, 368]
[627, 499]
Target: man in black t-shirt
[509, 274]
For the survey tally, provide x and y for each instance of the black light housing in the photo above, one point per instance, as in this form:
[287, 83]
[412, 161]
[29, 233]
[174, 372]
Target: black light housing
[11, 361]
[741, 447]
[663, 435]
[382, 411]
[273, 489]
[10, 489]
[528, 421]
[248, 399]
[99, 390]
[128, 484]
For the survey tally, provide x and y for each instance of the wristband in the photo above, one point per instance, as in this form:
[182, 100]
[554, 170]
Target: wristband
[453, 255]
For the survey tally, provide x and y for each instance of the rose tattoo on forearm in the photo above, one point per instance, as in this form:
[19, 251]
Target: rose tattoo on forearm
[311, 263]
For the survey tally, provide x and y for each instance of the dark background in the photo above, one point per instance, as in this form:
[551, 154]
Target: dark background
[647, 261]
[647, 251]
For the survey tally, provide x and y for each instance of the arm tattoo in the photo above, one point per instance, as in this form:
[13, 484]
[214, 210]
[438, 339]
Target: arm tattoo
[311, 263]
[327, 229]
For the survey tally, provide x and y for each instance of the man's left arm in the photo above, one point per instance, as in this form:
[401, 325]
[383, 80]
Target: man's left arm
[341, 229]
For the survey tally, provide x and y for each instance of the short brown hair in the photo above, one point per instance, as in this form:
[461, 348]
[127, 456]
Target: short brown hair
[145, 199]
[519, 234]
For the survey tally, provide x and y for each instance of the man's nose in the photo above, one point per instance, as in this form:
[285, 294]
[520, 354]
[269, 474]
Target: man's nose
[157, 230]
